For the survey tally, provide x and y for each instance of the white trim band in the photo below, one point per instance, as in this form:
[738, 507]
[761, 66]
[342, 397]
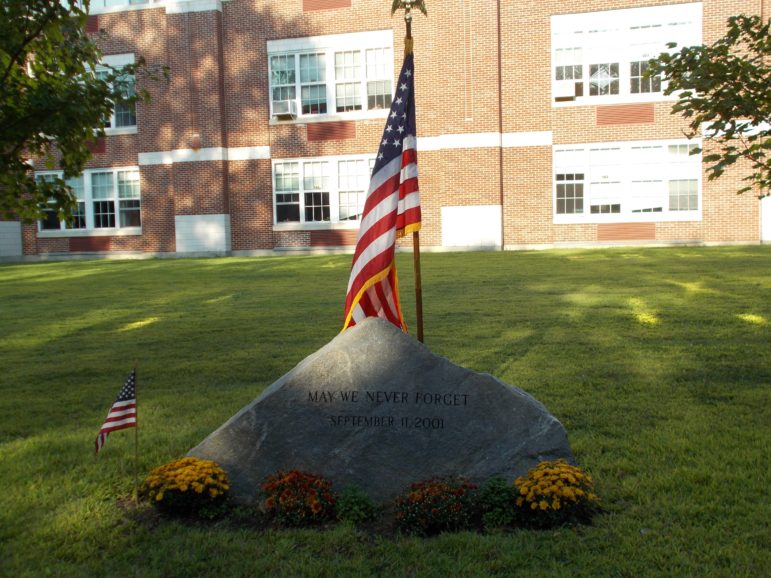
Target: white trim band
[485, 140]
[430, 143]
[205, 154]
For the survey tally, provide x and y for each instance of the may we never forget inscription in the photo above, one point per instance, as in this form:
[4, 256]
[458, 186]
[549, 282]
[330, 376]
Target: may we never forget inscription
[405, 406]
[374, 408]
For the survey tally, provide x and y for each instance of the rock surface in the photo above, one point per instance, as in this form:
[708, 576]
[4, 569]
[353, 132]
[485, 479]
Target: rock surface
[374, 408]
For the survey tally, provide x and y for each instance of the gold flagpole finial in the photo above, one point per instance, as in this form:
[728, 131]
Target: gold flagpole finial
[408, 5]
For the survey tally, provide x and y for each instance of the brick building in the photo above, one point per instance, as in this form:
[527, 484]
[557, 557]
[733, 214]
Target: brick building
[536, 128]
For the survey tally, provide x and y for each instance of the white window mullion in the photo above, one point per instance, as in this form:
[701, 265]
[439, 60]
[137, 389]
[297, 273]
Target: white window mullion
[363, 92]
[334, 190]
[116, 199]
[89, 200]
[331, 84]
[302, 192]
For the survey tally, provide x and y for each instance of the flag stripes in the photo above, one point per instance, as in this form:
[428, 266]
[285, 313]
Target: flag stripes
[391, 210]
[122, 414]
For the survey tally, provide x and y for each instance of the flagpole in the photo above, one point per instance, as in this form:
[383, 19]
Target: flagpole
[408, 49]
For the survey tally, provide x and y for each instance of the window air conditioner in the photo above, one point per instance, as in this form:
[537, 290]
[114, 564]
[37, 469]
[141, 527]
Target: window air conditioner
[565, 90]
[285, 109]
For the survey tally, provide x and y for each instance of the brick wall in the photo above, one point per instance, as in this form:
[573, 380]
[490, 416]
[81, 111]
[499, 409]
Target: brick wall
[217, 97]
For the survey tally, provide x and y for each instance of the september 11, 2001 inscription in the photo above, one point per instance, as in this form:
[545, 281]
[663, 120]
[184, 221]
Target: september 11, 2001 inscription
[415, 400]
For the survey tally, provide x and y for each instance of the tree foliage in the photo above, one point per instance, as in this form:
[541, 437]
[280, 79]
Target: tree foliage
[724, 90]
[52, 105]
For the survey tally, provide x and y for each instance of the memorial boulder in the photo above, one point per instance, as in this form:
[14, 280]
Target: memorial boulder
[376, 409]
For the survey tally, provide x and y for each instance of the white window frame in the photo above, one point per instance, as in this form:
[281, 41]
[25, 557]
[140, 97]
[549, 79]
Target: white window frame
[111, 6]
[117, 61]
[329, 45]
[617, 37]
[91, 230]
[633, 174]
[333, 188]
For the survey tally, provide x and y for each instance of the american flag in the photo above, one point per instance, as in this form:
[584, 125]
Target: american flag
[391, 210]
[123, 413]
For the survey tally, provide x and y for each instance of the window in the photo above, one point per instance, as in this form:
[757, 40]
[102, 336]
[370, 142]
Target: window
[97, 6]
[313, 88]
[316, 191]
[603, 78]
[627, 181]
[106, 199]
[353, 181]
[683, 195]
[570, 193]
[287, 187]
[347, 74]
[639, 82]
[602, 57]
[324, 190]
[379, 72]
[124, 116]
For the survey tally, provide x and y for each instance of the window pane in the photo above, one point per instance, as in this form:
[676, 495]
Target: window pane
[288, 213]
[101, 186]
[378, 94]
[314, 99]
[102, 75]
[130, 214]
[639, 83]
[282, 69]
[683, 195]
[379, 63]
[104, 214]
[284, 93]
[78, 217]
[128, 184]
[287, 176]
[603, 79]
[76, 184]
[313, 67]
[347, 66]
[569, 193]
[352, 179]
[316, 207]
[51, 220]
[315, 176]
[125, 114]
[348, 97]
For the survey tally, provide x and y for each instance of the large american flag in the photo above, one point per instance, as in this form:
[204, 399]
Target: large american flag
[123, 413]
[391, 210]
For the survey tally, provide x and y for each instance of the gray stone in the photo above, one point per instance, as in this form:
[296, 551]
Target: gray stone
[374, 408]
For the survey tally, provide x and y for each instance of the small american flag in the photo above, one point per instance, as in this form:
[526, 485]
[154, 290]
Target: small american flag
[392, 209]
[123, 413]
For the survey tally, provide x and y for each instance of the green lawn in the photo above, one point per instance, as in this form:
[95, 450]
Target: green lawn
[656, 360]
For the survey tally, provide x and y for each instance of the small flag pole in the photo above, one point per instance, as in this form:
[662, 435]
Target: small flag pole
[408, 49]
[136, 439]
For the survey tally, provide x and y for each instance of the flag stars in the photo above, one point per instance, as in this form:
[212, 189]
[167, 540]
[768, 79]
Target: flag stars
[389, 128]
[400, 130]
[398, 100]
[397, 143]
[408, 73]
[403, 86]
[385, 142]
[393, 114]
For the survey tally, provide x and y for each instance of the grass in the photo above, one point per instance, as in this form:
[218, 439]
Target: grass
[657, 361]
